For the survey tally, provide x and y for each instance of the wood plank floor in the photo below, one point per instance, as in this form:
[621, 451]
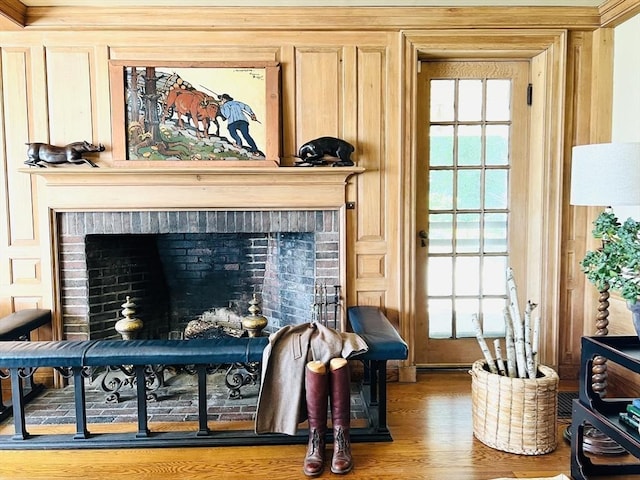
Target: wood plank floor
[429, 420]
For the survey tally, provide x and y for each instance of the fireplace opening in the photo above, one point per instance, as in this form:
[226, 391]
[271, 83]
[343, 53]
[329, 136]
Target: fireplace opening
[175, 278]
[119, 266]
[176, 266]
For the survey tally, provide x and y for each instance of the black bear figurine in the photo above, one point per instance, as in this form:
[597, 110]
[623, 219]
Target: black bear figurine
[312, 152]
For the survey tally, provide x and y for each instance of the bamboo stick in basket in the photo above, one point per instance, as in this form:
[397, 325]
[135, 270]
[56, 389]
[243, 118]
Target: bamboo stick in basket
[483, 344]
[499, 360]
[528, 350]
[518, 325]
[510, 345]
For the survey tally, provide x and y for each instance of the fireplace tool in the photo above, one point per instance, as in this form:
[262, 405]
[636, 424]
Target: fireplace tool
[326, 305]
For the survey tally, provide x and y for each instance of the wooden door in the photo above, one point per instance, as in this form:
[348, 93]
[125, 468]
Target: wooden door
[471, 197]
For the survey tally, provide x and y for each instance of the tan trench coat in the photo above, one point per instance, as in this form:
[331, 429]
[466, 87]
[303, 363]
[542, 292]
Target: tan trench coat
[281, 403]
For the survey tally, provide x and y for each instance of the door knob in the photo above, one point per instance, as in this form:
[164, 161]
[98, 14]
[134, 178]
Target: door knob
[423, 236]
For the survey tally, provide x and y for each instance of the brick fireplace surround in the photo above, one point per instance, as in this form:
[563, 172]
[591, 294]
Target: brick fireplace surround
[278, 203]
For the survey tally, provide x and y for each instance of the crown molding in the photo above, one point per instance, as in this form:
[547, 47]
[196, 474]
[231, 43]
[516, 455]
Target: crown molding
[615, 12]
[310, 18]
[13, 14]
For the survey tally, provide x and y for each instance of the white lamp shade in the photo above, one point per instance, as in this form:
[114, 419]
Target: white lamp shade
[605, 174]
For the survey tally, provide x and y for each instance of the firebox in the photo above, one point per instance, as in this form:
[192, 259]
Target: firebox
[176, 265]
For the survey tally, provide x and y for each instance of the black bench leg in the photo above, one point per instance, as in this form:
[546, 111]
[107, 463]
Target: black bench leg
[381, 368]
[375, 387]
[366, 378]
[141, 384]
[81, 404]
[203, 428]
[17, 399]
[3, 407]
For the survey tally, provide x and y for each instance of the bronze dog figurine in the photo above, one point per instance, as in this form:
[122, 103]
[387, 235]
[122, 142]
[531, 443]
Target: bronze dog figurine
[41, 154]
[312, 152]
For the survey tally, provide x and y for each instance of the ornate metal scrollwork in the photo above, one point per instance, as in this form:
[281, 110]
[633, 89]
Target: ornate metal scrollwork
[26, 372]
[154, 379]
[4, 374]
[65, 372]
[239, 375]
[110, 382]
[113, 378]
[191, 369]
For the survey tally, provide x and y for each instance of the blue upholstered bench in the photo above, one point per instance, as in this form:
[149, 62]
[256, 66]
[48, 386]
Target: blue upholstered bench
[18, 326]
[385, 343]
[74, 358]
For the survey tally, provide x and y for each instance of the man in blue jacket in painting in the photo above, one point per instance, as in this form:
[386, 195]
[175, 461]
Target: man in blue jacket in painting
[236, 114]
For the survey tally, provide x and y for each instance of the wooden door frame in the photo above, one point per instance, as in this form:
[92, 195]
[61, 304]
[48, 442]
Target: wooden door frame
[546, 50]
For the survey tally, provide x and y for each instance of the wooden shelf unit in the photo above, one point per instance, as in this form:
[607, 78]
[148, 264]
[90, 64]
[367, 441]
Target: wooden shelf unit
[603, 413]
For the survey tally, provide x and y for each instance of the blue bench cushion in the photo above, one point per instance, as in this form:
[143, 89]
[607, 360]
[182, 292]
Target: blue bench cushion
[175, 352]
[20, 323]
[43, 354]
[384, 341]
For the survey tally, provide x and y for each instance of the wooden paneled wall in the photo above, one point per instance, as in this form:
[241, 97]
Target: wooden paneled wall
[340, 77]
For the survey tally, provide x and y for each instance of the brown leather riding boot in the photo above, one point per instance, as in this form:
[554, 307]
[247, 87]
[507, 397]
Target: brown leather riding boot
[340, 382]
[317, 394]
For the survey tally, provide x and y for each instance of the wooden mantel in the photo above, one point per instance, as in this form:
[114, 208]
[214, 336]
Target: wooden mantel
[85, 188]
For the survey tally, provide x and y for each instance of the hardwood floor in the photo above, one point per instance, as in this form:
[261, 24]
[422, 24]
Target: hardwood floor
[429, 420]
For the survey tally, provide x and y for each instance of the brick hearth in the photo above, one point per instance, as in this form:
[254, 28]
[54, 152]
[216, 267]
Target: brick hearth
[177, 401]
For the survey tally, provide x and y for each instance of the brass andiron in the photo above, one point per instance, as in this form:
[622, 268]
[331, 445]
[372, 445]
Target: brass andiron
[129, 327]
[255, 322]
[114, 377]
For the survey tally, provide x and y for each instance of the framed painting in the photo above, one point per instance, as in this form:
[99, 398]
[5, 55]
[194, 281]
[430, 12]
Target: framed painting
[195, 114]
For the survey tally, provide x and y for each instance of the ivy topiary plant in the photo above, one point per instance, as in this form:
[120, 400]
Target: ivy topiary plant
[617, 262]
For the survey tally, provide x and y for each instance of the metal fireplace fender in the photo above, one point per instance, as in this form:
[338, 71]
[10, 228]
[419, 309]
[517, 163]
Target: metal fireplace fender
[76, 358]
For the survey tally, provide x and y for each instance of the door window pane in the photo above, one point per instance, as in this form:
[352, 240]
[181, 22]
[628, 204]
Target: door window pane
[440, 190]
[441, 233]
[495, 189]
[493, 276]
[440, 281]
[442, 97]
[465, 309]
[498, 95]
[493, 317]
[468, 233]
[470, 100]
[467, 276]
[469, 145]
[441, 146]
[440, 318]
[497, 145]
[468, 189]
[495, 233]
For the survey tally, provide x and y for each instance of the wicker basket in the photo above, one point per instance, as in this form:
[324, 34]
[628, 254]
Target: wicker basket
[515, 415]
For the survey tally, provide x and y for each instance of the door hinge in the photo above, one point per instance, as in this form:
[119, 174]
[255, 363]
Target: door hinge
[530, 94]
